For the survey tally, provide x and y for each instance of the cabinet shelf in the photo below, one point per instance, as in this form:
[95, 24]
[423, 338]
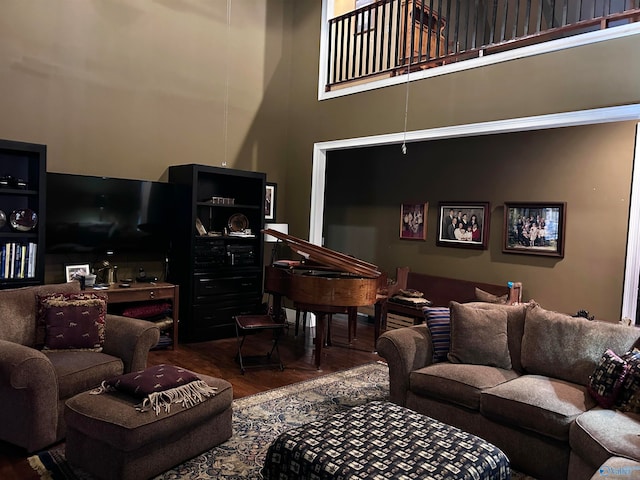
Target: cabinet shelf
[17, 191]
[25, 161]
[230, 207]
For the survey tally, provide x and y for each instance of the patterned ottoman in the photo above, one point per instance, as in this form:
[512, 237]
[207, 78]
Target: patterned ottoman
[381, 440]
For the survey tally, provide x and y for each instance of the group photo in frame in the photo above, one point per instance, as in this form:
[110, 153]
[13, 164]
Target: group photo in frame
[534, 228]
[270, 201]
[463, 224]
[413, 221]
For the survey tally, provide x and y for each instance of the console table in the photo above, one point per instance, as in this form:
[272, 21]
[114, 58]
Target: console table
[148, 292]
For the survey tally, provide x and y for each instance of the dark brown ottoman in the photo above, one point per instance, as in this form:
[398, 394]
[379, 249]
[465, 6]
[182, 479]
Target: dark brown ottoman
[108, 438]
[381, 440]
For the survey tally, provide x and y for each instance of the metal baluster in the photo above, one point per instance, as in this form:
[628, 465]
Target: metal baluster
[516, 15]
[475, 26]
[527, 18]
[492, 30]
[565, 6]
[331, 40]
[503, 28]
[383, 18]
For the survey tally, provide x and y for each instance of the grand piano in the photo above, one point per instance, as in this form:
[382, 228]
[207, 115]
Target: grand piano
[325, 282]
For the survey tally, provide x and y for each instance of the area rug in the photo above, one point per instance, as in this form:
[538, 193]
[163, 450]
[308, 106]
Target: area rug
[257, 421]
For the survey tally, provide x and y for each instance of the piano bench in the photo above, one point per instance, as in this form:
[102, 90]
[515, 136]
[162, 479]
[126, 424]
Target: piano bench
[249, 324]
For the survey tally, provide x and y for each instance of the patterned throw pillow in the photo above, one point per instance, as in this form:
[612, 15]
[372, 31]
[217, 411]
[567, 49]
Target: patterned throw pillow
[606, 380]
[160, 386]
[73, 321]
[154, 379]
[631, 383]
[438, 322]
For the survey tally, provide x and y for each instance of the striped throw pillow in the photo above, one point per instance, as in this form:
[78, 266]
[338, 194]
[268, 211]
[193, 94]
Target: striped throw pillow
[438, 323]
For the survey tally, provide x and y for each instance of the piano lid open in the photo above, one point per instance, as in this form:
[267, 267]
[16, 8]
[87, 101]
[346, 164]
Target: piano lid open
[327, 257]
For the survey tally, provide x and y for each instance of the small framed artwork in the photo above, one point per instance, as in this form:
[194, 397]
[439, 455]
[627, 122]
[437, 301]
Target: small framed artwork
[463, 224]
[270, 201]
[74, 271]
[534, 228]
[413, 221]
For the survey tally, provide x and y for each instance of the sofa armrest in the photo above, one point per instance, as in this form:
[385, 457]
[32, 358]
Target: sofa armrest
[130, 339]
[29, 399]
[405, 350]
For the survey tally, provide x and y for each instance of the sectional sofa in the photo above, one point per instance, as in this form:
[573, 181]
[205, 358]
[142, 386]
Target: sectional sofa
[533, 382]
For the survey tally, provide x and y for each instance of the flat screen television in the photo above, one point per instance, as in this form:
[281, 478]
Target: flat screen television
[87, 214]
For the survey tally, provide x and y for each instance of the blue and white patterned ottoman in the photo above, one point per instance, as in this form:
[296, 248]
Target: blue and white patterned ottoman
[381, 440]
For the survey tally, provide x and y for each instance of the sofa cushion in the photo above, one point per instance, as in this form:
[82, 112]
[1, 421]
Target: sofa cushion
[479, 336]
[533, 402]
[78, 371]
[73, 320]
[457, 383]
[606, 380]
[515, 328]
[569, 348]
[18, 309]
[438, 320]
[631, 384]
[600, 433]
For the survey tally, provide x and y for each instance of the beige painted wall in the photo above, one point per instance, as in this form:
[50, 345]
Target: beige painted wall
[125, 89]
[586, 77]
[588, 167]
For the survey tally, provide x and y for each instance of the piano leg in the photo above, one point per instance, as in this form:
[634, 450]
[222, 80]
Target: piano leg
[352, 315]
[321, 321]
[380, 320]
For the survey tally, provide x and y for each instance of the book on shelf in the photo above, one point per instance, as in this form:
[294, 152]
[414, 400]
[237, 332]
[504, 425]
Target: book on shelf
[18, 260]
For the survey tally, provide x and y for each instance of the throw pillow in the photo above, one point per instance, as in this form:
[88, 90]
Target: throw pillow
[160, 386]
[482, 296]
[73, 321]
[438, 322]
[606, 381]
[631, 384]
[479, 336]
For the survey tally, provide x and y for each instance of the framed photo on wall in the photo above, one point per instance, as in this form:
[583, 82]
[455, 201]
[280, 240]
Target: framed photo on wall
[413, 221]
[270, 201]
[534, 228]
[463, 224]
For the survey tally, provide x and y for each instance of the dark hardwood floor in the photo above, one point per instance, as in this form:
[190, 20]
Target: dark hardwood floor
[217, 358]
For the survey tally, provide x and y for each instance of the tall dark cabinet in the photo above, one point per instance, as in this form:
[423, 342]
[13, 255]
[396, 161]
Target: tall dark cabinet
[22, 194]
[215, 261]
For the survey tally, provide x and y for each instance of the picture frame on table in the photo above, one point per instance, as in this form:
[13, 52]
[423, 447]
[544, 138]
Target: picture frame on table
[413, 221]
[72, 271]
[270, 201]
[463, 224]
[534, 228]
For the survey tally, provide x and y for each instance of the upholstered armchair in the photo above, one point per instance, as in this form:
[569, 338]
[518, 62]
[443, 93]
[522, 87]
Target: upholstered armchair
[36, 380]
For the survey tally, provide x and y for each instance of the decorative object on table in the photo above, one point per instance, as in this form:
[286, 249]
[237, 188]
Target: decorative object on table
[413, 221]
[74, 271]
[534, 228]
[7, 181]
[23, 220]
[238, 222]
[200, 227]
[463, 224]
[270, 201]
[223, 201]
[3, 219]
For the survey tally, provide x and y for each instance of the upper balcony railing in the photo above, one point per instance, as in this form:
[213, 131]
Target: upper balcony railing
[391, 37]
